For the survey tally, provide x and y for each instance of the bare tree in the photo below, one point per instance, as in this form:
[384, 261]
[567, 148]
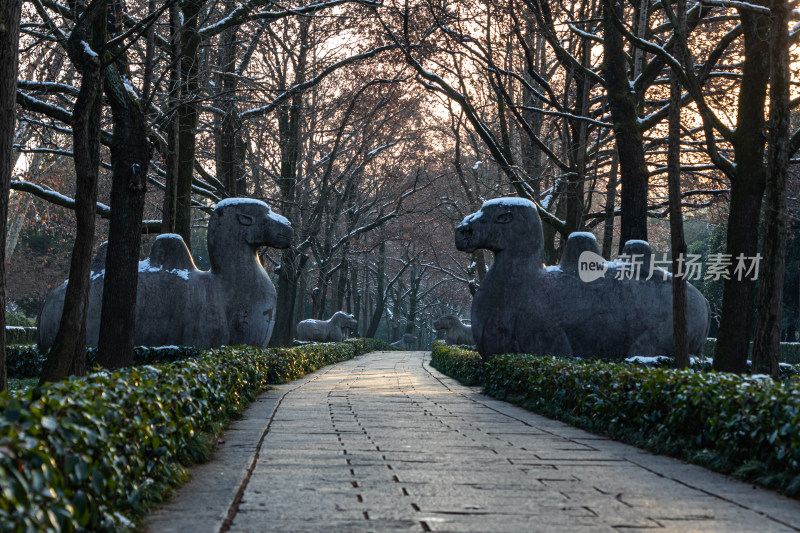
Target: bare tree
[68, 354]
[770, 292]
[9, 57]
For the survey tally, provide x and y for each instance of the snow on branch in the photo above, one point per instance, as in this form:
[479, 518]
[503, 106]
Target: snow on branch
[244, 13]
[738, 5]
[54, 197]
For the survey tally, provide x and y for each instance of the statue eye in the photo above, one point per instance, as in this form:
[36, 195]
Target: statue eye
[505, 218]
[245, 220]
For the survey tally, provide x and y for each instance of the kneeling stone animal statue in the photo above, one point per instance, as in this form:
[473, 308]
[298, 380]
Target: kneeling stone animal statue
[177, 304]
[407, 342]
[524, 307]
[331, 330]
[455, 332]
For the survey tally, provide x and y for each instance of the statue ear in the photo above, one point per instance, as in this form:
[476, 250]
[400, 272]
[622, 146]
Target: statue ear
[245, 220]
[505, 218]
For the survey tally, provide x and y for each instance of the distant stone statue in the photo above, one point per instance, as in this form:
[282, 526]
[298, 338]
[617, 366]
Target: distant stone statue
[408, 342]
[455, 332]
[524, 307]
[177, 304]
[331, 330]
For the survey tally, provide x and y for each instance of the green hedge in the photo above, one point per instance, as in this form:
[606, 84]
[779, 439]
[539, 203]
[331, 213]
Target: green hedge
[25, 361]
[740, 425]
[93, 453]
[20, 335]
[790, 351]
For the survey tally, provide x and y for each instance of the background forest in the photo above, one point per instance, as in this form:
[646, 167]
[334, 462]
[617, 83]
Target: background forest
[375, 127]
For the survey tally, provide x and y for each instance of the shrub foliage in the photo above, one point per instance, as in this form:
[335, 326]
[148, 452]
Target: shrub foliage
[92, 453]
[741, 425]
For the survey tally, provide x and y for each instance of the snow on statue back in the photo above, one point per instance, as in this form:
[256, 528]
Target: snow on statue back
[176, 304]
[455, 332]
[524, 307]
[331, 330]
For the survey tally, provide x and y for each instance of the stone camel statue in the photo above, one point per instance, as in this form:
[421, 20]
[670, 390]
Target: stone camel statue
[455, 332]
[331, 330]
[524, 307]
[177, 304]
[407, 342]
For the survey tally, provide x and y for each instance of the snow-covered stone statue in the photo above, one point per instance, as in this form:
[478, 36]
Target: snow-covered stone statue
[407, 342]
[177, 304]
[331, 330]
[455, 332]
[577, 243]
[525, 307]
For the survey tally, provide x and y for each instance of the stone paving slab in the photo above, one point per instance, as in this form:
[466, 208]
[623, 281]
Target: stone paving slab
[383, 442]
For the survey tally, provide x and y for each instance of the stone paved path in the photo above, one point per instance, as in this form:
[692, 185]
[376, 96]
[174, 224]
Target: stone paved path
[385, 443]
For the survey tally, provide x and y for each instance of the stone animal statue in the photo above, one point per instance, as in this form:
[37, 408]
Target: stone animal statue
[524, 307]
[177, 304]
[455, 332]
[331, 330]
[408, 342]
[577, 243]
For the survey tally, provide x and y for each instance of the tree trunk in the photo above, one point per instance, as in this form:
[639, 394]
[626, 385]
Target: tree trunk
[9, 61]
[678, 242]
[380, 296]
[628, 136]
[766, 345]
[747, 190]
[173, 128]
[292, 265]
[611, 201]
[187, 118]
[130, 158]
[68, 353]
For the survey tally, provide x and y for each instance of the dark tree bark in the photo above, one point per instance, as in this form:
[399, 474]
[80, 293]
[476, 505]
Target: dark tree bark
[677, 240]
[627, 134]
[611, 202]
[766, 344]
[173, 128]
[292, 262]
[187, 115]
[68, 354]
[9, 60]
[230, 145]
[130, 158]
[747, 190]
[380, 294]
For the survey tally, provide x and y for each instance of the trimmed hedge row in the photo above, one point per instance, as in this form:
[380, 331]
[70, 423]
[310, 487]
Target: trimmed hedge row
[93, 453]
[20, 335]
[25, 361]
[745, 426]
[790, 351]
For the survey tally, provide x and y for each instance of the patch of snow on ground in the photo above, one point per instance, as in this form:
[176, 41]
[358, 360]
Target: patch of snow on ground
[643, 359]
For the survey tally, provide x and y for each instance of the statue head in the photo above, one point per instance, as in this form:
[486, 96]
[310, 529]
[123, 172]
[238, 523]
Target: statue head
[502, 224]
[245, 222]
[345, 320]
[446, 322]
